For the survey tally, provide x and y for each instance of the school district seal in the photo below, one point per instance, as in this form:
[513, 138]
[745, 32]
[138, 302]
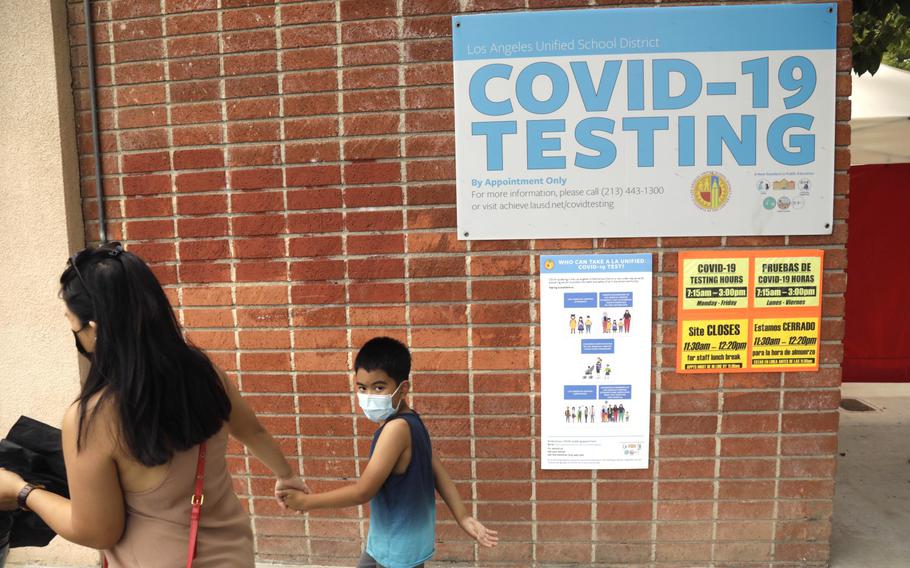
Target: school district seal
[710, 191]
[549, 264]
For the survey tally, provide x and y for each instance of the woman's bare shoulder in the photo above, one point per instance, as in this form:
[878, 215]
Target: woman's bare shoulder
[99, 422]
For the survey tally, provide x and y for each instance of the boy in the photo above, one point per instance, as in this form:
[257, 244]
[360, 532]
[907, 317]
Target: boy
[402, 475]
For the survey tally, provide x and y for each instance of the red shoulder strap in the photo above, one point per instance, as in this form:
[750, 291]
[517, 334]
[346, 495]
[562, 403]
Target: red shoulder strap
[196, 512]
[197, 500]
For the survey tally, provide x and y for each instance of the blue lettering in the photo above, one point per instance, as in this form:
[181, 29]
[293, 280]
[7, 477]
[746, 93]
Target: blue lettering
[635, 77]
[494, 131]
[477, 89]
[606, 150]
[805, 143]
[686, 141]
[661, 70]
[720, 132]
[599, 99]
[525, 92]
[538, 144]
[645, 127]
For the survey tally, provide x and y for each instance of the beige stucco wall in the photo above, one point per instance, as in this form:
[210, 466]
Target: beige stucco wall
[40, 222]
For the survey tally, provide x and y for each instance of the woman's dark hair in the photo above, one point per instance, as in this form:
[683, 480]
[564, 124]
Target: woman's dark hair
[168, 395]
[386, 354]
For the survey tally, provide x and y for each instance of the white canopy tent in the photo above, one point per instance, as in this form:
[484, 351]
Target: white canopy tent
[880, 121]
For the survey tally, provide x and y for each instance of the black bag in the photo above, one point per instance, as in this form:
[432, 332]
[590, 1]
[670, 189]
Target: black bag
[33, 450]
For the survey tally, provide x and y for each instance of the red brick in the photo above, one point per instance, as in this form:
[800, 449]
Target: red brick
[749, 446]
[820, 422]
[192, 69]
[130, 30]
[146, 184]
[255, 179]
[235, 42]
[378, 54]
[308, 13]
[195, 113]
[203, 250]
[147, 162]
[309, 58]
[139, 73]
[140, 95]
[148, 207]
[248, 19]
[360, 125]
[371, 31]
[197, 135]
[313, 175]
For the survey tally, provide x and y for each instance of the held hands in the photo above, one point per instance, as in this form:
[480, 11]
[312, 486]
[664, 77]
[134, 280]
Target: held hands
[292, 482]
[480, 533]
[294, 499]
[10, 485]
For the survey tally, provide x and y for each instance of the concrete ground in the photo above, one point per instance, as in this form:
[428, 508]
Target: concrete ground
[872, 495]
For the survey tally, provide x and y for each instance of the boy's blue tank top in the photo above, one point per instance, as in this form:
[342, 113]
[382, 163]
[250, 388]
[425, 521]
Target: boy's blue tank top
[403, 513]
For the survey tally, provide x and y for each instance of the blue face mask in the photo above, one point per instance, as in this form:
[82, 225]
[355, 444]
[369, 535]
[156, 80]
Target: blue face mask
[378, 407]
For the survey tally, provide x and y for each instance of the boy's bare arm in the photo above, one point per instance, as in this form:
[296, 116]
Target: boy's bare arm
[449, 493]
[395, 438]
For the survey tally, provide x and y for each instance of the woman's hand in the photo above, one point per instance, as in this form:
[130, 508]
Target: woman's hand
[10, 486]
[290, 482]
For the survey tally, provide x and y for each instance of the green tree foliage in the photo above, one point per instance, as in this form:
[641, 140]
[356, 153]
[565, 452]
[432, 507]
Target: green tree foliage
[881, 31]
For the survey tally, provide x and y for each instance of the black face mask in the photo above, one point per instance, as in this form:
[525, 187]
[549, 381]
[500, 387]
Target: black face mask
[79, 346]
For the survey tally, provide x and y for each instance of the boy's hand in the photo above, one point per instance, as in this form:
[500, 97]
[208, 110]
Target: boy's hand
[480, 533]
[293, 499]
[290, 482]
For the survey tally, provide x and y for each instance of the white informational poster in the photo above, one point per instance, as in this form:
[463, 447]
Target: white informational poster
[595, 321]
[643, 122]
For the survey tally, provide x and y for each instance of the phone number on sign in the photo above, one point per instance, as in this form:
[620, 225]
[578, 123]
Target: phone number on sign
[631, 191]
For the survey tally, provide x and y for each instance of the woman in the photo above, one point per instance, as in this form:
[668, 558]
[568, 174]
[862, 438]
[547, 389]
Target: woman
[133, 439]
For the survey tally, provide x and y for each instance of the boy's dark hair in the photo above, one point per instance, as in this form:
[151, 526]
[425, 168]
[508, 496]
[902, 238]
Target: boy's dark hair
[386, 354]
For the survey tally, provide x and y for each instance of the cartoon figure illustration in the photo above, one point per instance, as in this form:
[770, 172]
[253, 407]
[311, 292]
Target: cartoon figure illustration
[573, 414]
[627, 320]
[567, 415]
[607, 369]
[603, 413]
[615, 414]
[606, 322]
[598, 366]
[589, 372]
[572, 323]
[586, 415]
[622, 412]
[581, 325]
[614, 326]
[587, 324]
[592, 414]
[579, 414]
[627, 416]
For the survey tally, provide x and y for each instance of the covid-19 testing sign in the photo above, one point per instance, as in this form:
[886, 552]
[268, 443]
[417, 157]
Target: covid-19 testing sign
[703, 120]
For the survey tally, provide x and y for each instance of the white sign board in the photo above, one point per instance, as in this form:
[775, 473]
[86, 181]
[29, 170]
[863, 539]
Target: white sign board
[595, 361]
[701, 120]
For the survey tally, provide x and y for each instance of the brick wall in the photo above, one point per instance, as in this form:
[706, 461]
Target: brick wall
[288, 170]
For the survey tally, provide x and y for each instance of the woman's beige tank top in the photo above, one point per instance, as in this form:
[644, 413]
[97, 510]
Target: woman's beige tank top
[157, 521]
